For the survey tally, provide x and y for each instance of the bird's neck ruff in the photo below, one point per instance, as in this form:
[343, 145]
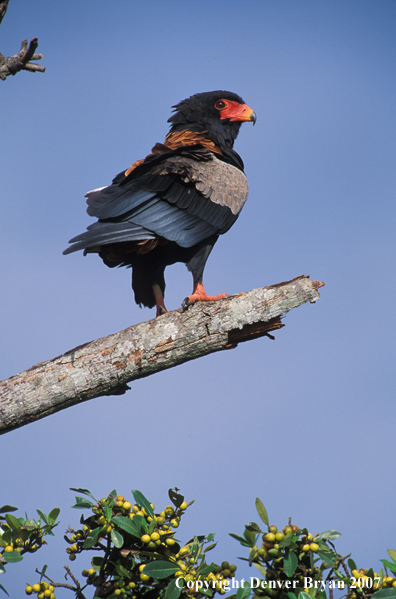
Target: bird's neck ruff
[221, 134]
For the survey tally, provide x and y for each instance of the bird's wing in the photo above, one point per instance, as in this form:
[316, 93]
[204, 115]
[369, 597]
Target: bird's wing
[184, 196]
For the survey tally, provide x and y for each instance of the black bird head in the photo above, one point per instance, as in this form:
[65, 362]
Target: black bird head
[219, 113]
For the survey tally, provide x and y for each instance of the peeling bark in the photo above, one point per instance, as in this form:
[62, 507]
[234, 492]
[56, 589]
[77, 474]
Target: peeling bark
[105, 366]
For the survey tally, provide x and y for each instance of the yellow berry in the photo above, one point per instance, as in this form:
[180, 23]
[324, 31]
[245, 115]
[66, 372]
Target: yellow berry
[305, 547]
[170, 542]
[142, 567]
[29, 590]
[145, 539]
[314, 547]
[270, 537]
[144, 577]
[36, 588]
[127, 505]
[183, 506]
[9, 548]
[155, 536]
[91, 571]
[169, 510]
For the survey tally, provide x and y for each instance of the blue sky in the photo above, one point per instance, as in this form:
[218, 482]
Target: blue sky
[305, 422]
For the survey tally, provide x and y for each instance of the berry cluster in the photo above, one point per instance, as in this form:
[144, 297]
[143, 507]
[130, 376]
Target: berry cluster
[43, 590]
[138, 554]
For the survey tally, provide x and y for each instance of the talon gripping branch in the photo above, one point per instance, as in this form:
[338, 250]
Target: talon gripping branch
[173, 205]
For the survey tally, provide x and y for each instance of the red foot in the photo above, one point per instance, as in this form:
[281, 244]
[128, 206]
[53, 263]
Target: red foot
[159, 300]
[199, 295]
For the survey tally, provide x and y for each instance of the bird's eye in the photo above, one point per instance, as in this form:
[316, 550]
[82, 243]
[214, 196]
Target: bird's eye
[219, 104]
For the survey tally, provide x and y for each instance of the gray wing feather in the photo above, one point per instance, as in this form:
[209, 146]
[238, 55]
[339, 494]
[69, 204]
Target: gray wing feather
[181, 199]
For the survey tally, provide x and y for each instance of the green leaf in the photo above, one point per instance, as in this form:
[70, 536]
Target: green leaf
[108, 512]
[117, 538]
[212, 546]
[82, 503]
[43, 571]
[5, 590]
[288, 542]
[175, 498]
[127, 525]
[208, 568]
[83, 491]
[262, 512]
[143, 502]
[42, 516]
[12, 556]
[252, 554]
[390, 565]
[96, 562]
[351, 564]
[121, 571]
[92, 538]
[160, 569]
[253, 527]
[250, 536]
[172, 591]
[53, 515]
[291, 595]
[303, 595]
[329, 534]
[329, 558]
[240, 539]
[392, 554]
[261, 568]
[243, 591]
[210, 537]
[13, 523]
[7, 508]
[290, 563]
[385, 594]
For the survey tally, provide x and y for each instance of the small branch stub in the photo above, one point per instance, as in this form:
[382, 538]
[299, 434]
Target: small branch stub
[107, 365]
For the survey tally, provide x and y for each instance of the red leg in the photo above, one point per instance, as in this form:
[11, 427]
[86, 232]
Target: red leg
[159, 300]
[199, 295]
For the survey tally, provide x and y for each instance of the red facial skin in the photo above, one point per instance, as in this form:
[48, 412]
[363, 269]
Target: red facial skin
[234, 111]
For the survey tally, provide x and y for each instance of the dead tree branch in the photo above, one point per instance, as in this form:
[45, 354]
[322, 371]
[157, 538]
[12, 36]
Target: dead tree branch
[3, 9]
[105, 366]
[21, 61]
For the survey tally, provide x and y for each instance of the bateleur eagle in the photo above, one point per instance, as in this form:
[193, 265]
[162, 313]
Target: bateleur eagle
[173, 205]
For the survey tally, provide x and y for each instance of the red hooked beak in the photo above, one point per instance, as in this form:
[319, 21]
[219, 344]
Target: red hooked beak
[237, 112]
